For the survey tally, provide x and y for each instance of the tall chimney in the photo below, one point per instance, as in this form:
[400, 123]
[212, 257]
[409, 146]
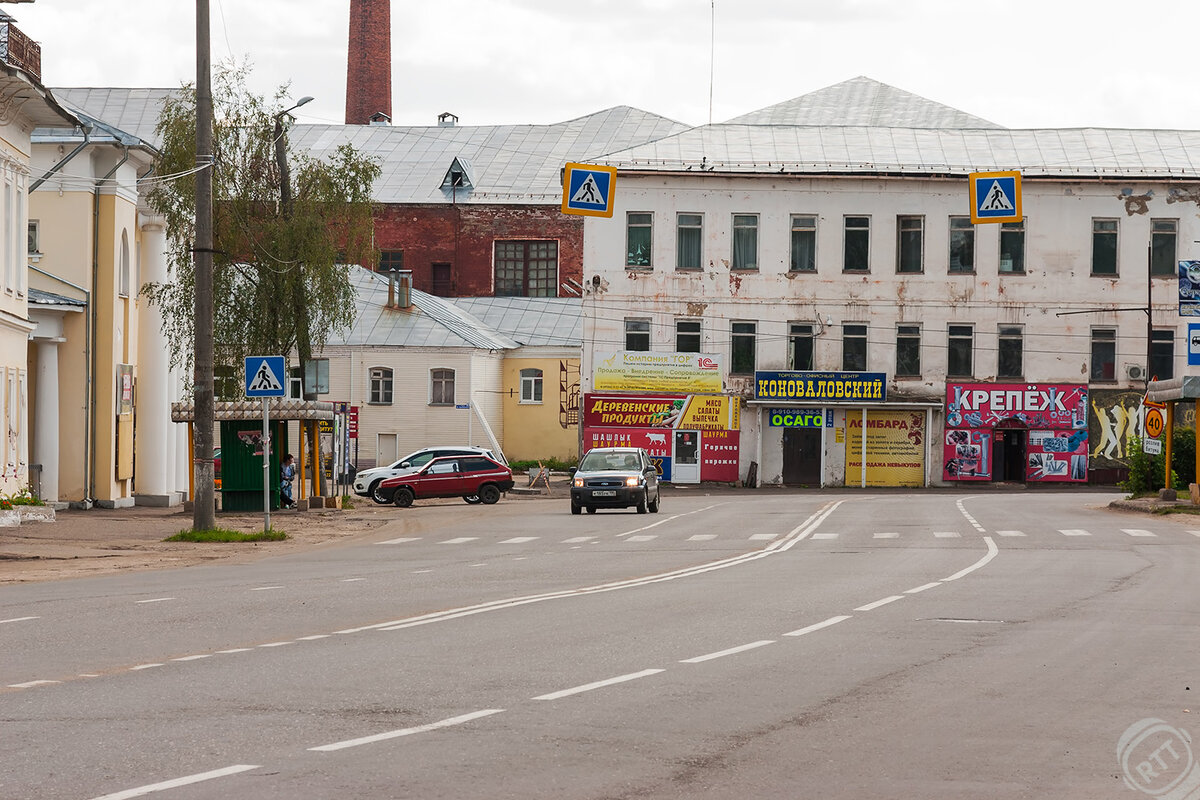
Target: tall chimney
[369, 66]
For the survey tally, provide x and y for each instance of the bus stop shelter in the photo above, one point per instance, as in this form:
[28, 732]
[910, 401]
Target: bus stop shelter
[1171, 392]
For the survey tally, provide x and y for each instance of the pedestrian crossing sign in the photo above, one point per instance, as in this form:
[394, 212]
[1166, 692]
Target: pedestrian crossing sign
[995, 197]
[264, 376]
[588, 190]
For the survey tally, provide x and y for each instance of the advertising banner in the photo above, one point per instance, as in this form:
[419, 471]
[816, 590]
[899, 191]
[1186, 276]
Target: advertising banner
[967, 456]
[799, 418]
[1057, 456]
[636, 371]
[1189, 288]
[652, 422]
[831, 386]
[895, 448]
[1036, 405]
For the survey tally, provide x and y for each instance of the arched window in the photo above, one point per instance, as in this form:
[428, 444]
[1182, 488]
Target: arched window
[441, 387]
[381, 385]
[531, 386]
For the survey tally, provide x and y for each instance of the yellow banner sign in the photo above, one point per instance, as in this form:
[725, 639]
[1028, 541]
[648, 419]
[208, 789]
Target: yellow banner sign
[635, 371]
[895, 448]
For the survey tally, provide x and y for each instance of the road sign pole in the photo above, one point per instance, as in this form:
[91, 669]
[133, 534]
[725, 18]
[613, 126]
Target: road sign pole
[468, 424]
[266, 466]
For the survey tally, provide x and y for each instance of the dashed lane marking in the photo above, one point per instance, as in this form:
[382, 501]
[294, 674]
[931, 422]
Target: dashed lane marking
[1138, 532]
[177, 782]
[379, 737]
[587, 687]
[1010, 533]
[1074, 532]
[729, 652]
[878, 603]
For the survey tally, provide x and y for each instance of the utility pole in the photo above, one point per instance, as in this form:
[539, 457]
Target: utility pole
[203, 510]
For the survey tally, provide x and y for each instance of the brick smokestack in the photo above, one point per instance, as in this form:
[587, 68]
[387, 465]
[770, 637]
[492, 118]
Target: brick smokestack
[369, 67]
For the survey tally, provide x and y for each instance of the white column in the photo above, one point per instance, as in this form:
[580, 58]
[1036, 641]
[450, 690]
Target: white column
[45, 431]
[179, 434]
[154, 373]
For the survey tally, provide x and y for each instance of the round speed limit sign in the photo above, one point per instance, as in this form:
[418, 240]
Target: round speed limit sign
[1154, 423]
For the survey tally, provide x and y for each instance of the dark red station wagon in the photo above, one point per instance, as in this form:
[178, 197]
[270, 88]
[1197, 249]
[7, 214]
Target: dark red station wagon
[475, 478]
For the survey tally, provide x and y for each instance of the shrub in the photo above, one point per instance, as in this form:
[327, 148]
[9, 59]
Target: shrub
[1146, 472]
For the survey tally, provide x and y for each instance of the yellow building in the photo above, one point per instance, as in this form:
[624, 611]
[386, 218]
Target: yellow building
[541, 404]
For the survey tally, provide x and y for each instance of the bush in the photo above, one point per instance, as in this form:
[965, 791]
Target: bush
[22, 498]
[1146, 472]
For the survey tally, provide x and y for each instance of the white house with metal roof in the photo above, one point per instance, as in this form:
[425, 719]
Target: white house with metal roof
[832, 234]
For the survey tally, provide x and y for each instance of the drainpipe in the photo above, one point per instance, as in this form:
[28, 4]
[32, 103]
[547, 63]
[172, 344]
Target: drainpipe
[93, 322]
[58, 167]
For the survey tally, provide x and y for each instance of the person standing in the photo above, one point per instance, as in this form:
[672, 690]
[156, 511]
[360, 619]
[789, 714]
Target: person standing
[287, 470]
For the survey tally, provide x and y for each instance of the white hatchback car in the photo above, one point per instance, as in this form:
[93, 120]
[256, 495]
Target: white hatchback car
[367, 481]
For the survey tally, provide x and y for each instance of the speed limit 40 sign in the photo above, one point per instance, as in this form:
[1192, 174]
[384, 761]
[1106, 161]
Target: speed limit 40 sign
[1154, 423]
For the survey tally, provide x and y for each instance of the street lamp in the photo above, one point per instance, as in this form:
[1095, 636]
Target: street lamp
[285, 179]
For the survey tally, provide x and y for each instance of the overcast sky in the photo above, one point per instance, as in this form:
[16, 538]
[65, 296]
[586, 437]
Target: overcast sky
[1020, 63]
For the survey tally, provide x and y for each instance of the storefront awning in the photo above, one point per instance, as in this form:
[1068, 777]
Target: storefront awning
[1185, 388]
[252, 409]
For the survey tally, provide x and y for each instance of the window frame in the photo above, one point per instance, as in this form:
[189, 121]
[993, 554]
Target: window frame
[908, 335]
[909, 226]
[1115, 233]
[680, 334]
[745, 229]
[1105, 335]
[316, 376]
[633, 328]
[855, 332]
[1159, 269]
[438, 378]
[747, 337]
[1013, 230]
[863, 229]
[802, 224]
[965, 244]
[386, 259]
[798, 333]
[644, 223]
[445, 267]
[535, 383]
[956, 334]
[696, 229]
[520, 285]
[380, 385]
[1007, 334]
[1162, 339]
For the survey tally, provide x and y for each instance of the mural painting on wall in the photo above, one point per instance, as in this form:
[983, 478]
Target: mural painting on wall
[568, 393]
[1117, 417]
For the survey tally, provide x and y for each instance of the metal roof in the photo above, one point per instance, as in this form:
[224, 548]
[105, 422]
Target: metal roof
[134, 111]
[38, 297]
[531, 321]
[863, 102]
[758, 149]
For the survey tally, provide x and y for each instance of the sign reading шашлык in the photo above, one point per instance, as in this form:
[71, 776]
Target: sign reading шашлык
[807, 386]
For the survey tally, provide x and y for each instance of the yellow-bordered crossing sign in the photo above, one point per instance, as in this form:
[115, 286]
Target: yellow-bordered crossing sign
[995, 196]
[588, 190]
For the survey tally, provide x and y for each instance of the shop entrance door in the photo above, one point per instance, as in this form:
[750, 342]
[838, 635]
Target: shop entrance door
[1009, 455]
[685, 464]
[801, 456]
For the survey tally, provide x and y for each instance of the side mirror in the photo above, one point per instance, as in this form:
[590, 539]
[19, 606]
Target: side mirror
[405, 464]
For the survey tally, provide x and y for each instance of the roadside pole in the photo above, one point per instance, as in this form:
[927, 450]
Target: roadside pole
[266, 466]
[264, 378]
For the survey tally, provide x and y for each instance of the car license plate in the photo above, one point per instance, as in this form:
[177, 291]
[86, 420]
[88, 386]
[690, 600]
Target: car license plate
[604, 493]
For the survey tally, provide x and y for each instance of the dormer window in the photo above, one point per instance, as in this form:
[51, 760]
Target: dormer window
[458, 176]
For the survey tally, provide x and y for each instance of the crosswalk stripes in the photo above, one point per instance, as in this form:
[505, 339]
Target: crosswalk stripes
[461, 540]
[644, 537]
[1195, 533]
[763, 537]
[888, 535]
[702, 537]
[1137, 532]
[578, 539]
[824, 536]
[947, 534]
[1074, 532]
[519, 540]
[1010, 533]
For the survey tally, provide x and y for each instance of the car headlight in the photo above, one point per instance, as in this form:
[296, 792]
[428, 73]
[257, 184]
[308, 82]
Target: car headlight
[632, 481]
[579, 483]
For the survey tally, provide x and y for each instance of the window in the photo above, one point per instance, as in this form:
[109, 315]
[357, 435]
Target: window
[1162, 246]
[856, 256]
[227, 383]
[959, 357]
[443, 284]
[637, 238]
[1104, 354]
[962, 245]
[531, 386]
[316, 376]
[381, 385]
[687, 335]
[854, 347]
[10, 260]
[637, 334]
[35, 241]
[908, 351]
[909, 244]
[742, 345]
[1104, 247]
[441, 387]
[391, 260]
[689, 234]
[124, 279]
[804, 243]
[1012, 247]
[1162, 355]
[527, 269]
[745, 241]
[1012, 352]
[800, 345]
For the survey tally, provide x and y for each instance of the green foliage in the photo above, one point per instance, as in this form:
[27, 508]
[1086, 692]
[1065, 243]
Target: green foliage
[1146, 472]
[25, 497]
[280, 280]
[225, 535]
[347, 501]
[553, 463]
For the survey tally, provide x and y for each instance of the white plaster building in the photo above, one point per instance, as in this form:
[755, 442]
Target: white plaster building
[832, 233]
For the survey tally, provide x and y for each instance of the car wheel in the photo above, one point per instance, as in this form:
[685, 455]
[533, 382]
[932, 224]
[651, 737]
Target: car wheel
[404, 497]
[654, 506]
[489, 494]
[641, 505]
[472, 499]
[381, 496]
[591, 509]
[576, 509]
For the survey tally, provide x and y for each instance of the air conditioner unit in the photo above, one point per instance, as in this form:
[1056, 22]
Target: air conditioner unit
[1135, 372]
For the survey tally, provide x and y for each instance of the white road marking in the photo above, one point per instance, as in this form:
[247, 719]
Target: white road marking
[352, 580]
[1010, 533]
[587, 687]
[702, 537]
[878, 603]
[401, 540]
[156, 600]
[17, 619]
[415, 572]
[819, 625]
[145, 666]
[731, 651]
[379, 737]
[1194, 533]
[991, 553]
[665, 520]
[265, 588]
[89, 675]
[923, 587]
[820, 536]
[461, 540]
[578, 539]
[770, 536]
[947, 534]
[313, 638]
[887, 535]
[30, 684]
[480, 564]
[172, 784]
[1074, 532]
[519, 540]
[193, 658]
[974, 522]
[520, 558]
[275, 644]
[643, 538]
[236, 650]
[1138, 532]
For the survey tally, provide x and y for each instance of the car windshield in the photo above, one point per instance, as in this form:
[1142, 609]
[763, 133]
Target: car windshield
[418, 459]
[597, 460]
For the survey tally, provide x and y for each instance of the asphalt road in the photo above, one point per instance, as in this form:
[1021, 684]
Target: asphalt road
[839, 645]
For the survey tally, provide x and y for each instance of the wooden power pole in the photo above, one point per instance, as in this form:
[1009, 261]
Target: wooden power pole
[204, 506]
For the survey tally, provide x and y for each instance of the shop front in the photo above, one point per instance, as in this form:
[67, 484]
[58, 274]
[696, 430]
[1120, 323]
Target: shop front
[690, 437]
[1036, 432]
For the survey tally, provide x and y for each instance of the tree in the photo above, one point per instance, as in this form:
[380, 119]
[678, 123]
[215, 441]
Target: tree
[280, 272]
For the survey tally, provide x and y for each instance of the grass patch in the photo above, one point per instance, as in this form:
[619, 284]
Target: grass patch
[223, 535]
[347, 501]
[1193, 510]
